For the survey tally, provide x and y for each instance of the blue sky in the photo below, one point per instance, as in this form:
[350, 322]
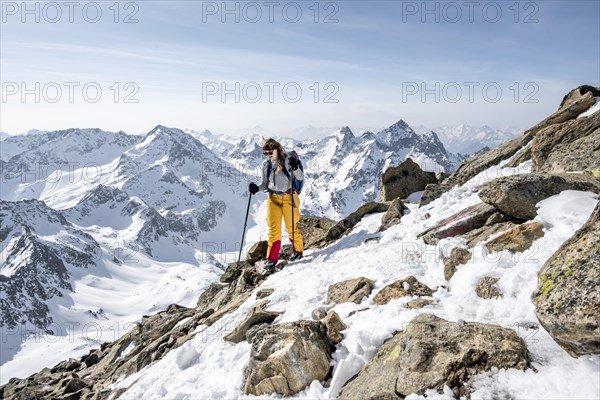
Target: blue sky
[380, 61]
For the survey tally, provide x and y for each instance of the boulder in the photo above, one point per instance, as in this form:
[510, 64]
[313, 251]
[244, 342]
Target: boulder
[518, 195]
[570, 146]
[401, 181]
[464, 221]
[313, 229]
[567, 298]
[393, 215]
[335, 326]
[409, 286]
[487, 288]
[517, 239]
[431, 353]
[257, 315]
[432, 192]
[257, 252]
[344, 226]
[458, 256]
[285, 358]
[352, 290]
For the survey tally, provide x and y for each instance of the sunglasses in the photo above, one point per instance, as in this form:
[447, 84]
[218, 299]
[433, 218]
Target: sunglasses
[267, 151]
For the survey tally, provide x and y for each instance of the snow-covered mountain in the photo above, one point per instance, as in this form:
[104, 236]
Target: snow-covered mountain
[340, 165]
[39, 247]
[468, 139]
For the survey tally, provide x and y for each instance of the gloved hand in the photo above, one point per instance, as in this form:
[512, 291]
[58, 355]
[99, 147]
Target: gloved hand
[293, 163]
[253, 188]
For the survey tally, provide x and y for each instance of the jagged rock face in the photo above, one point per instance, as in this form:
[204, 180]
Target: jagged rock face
[401, 181]
[409, 286]
[286, 358]
[518, 195]
[352, 290]
[464, 221]
[569, 146]
[567, 298]
[37, 269]
[517, 239]
[431, 353]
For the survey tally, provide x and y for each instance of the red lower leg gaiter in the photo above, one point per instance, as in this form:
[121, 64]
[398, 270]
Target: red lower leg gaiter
[274, 253]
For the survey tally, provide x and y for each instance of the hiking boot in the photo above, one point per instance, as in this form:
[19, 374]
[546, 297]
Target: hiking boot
[269, 266]
[296, 256]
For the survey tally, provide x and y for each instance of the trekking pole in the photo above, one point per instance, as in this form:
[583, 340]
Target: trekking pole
[292, 194]
[244, 231]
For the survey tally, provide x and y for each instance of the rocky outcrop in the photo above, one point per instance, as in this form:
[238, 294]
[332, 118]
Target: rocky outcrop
[518, 195]
[577, 93]
[286, 358]
[393, 215]
[572, 106]
[458, 256]
[409, 286]
[344, 226]
[569, 146]
[401, 181]
[313, 229]
[476, 164]
[487, 288]
[517, 239]
[431, 353]
[89, 378]
[567, 298]
[482, 234]
[464, 221]
[432, 192]
[352, 290]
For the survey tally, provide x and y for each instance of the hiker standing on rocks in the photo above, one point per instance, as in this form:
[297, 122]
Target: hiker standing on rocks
[277, 180]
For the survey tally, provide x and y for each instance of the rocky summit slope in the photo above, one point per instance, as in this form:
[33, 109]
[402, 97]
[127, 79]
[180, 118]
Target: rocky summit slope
[488, 290]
